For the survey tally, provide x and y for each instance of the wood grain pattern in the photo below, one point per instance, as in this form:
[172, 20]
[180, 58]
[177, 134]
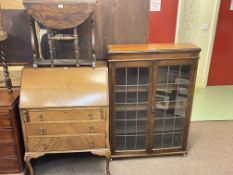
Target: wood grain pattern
[57, 14]
[59, 87]
[5, 122]
[65, 143]
[154, 48]
[11, 145]
[6, 135]
[54, 128]
[9, 165]
[116, 22]
[8, 150]
[11, 4]
[8, 100]
[65, 115]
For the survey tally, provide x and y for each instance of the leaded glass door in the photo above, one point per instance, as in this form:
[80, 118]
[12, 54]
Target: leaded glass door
[172, 91]
[131, 106]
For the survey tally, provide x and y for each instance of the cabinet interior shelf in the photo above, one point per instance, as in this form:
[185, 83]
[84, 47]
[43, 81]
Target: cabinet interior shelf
[131, 107]
[134, 88]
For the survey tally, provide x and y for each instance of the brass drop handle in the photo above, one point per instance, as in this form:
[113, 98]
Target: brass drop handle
[27, 118]
[92, 144]
[45, 146]
[42, 131]
[41, 117]
[102, 114]
[90, 116]
[91, 129]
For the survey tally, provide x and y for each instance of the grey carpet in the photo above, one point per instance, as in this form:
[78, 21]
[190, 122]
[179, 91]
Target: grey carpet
[210, 153]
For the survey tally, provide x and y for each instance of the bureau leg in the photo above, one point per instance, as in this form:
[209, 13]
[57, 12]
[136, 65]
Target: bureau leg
[28, 157]
[107, 166]
[27, 160]
[107, 154]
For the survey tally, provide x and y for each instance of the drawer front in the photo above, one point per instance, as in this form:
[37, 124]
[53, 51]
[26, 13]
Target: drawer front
[67, 143]
[6, 135]
[8, 150]
[4, 114]
[9, 165]
[5, 123]
[63, 115]
[69, 128]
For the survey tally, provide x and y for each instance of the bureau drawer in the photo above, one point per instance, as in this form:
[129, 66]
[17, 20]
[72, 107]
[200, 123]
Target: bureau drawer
[4, 114]
[9, 165]
[6, 135]
[67, 143]
[7, 150]
[62, 128]
[64, 115]
[5, 122]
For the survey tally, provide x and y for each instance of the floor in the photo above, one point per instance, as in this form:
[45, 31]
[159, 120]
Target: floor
[213, 103]
[210, 153]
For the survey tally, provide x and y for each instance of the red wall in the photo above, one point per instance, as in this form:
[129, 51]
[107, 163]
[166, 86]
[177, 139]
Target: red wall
[221, 69]
[163, 23]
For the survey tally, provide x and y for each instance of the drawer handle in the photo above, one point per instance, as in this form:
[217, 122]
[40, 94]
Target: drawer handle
[42, 131]
[41, 117]
[45, 146]
[102, 114]
[90, 116]
[27, 118]
[91, 129]
[92, 144]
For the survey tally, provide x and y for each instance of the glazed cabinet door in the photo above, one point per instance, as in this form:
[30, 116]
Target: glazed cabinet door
[130, 88]
[173, 92]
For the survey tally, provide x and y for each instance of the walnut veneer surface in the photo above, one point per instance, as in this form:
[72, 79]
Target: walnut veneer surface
[60, 14]
[65, 110]
[11, 148]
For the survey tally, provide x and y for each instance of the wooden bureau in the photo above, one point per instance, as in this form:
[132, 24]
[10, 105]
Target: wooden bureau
[11, 150]
[65, 110]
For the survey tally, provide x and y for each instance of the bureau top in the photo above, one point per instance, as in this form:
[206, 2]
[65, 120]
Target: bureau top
[64, 87]
[152, 48]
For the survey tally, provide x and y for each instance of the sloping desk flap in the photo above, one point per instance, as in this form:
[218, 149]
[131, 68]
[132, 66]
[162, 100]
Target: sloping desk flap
[64, 87]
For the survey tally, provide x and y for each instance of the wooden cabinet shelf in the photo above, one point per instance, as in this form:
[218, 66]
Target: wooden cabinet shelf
[152, 90]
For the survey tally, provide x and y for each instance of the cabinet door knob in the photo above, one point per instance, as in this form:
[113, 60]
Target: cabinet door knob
[42, 131]
[91, 129]
[92, 144]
